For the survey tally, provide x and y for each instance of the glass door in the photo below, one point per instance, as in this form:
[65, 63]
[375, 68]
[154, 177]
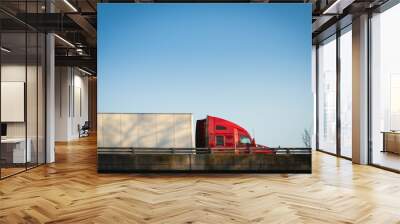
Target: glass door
[14, 144]
[22, 77]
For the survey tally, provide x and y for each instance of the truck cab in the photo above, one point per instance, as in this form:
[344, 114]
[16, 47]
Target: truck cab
[218, 134]
[226, 134]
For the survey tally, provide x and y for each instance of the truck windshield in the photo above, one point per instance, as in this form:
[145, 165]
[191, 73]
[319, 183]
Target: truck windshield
[245, 140]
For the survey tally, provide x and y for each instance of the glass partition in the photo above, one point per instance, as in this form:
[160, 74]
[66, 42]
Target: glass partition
[15, 151]
[22, 90]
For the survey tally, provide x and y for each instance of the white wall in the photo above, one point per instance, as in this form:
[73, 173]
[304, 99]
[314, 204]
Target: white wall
[80, 110]
[12, 73]
[61, 103]
[71, 102]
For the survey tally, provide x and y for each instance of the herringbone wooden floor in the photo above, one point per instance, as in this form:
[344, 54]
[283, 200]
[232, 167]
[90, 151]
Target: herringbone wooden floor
[71, 191]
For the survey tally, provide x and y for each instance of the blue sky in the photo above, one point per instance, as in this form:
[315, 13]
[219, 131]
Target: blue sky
[248, 63]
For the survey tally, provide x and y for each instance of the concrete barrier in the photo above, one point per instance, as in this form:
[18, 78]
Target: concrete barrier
[255, 163]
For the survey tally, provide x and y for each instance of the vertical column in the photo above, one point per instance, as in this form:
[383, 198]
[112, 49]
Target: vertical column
[50, 92]
[50, 98]
[360, 90]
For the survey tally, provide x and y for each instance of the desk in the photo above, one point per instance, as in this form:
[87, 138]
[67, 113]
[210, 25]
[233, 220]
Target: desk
[391, 141]
[16, 147]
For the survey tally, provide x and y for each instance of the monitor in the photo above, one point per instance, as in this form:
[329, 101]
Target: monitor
[3, 129]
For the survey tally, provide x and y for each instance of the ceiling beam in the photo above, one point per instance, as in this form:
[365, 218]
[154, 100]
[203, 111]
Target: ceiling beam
[83, 23]
[78, 61]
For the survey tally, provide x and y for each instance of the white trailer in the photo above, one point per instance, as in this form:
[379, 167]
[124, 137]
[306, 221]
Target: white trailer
[145, 130]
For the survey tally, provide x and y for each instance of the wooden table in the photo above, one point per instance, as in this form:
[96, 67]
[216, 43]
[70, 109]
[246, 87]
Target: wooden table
[391, 141]
[13, 150]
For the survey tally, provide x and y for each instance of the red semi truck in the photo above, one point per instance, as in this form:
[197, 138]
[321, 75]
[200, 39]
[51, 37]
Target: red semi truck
[174, 130]
[222, 135]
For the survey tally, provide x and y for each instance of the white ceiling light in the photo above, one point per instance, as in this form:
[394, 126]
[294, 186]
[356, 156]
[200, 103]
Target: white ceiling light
[338, 6]
[65, 41]
[79, 51]
[84, 71]
[70, 5]
[5, 50]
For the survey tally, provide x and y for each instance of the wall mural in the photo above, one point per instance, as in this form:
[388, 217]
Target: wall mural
[204, 87]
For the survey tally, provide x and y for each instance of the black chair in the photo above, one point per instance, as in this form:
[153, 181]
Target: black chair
[84, 130]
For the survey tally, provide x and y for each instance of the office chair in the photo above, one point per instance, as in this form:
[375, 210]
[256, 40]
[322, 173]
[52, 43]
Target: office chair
[84, 130]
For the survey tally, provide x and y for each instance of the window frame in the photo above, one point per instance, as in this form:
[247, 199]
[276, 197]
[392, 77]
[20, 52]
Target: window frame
[333, 37]
[220, 128]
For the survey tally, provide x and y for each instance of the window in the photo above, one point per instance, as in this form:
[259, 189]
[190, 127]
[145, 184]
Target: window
[220, 127]
[244, 140]
[385, 88]
[394, 102]
[346, 92]
[220, 140]
[327, 95]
